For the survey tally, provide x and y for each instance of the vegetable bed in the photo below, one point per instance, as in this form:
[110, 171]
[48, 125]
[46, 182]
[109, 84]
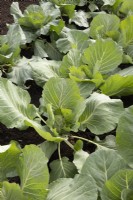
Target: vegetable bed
[66, 91]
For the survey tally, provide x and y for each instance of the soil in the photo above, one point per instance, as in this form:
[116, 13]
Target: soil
[30, 136]
[5, 17]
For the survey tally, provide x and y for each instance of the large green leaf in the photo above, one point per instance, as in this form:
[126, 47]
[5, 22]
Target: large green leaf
[116, 6]
[73, 58]
[33, 17]
[78, 39]
[113, 188]
[33, 172]
[126, 28]
[124, 135]
[8, 157]
[81, 187]
[104, 24]
[101, 114]
[63, 96]
[63, 93]
[67, 9]
[21, 71]
[15, 105]
[8, 55]
[117, 85]
[103, 56]
[43, 132]
[11, 191]
[62, 169]
[127, 194]
[127, 7]
[102, 165]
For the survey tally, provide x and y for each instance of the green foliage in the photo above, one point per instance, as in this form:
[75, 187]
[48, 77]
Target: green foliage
[114, 187]
[124, 135]
[81, 55]
[81, 187]
[101, 114]
[117, 85]
[103, 56]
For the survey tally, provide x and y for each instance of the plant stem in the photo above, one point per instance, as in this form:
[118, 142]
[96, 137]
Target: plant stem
[59, 153]
[90, 141]
[41, 118]
[69, 144]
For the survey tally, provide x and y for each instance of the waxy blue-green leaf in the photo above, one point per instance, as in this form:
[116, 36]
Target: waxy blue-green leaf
[117, 85]
[63, 45]
[16, 36]
[102, 165]
[126, 72]
[52, 51]
[15, 105]
[8, 157]
[80, 18]
[114, 187]
[109, 2]
[78, 39]
[15, 11]
[21, 71]
[39, 49]
[33, 172]
[81, 187]
[108, 142]
[11, 191]
[48, 148]
[103, 24]
[103, 56]
[80, 158]
[43, 70]
[101, 114]
[86, 88]
[38, 19]
[124, 135]
[62, 169]
[75, 39]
